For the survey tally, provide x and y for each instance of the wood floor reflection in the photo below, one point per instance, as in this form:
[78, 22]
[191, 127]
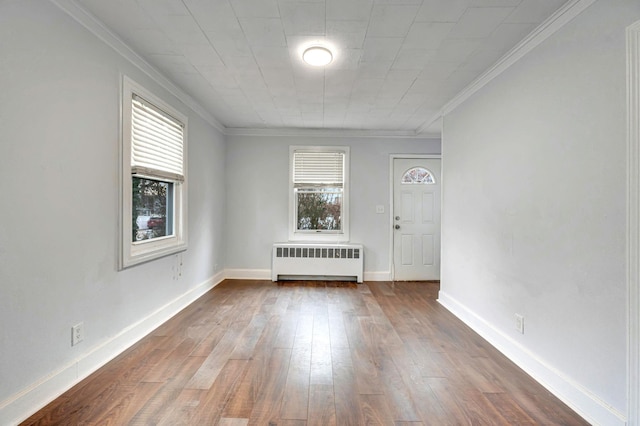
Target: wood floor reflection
[310, 353]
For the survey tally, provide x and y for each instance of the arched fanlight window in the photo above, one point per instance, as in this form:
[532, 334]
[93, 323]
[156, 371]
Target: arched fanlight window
[418, 175]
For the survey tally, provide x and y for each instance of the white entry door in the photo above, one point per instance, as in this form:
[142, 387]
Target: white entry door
[416, 218]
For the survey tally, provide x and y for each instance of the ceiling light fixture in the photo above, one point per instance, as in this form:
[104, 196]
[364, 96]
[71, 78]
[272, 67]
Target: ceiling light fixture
[317, 56]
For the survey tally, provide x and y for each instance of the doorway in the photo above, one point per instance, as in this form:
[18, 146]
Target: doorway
[416, 188]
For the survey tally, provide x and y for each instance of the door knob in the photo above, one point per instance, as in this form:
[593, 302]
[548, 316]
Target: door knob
[397, 217]
[397, 226]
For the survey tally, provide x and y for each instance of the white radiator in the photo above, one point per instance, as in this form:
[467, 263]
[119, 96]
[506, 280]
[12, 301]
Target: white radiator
[323, 261]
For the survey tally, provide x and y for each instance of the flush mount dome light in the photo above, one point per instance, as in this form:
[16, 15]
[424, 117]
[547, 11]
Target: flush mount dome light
[317, 56]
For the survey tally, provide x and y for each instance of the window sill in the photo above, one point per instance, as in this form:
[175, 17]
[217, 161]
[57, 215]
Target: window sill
[141, 254]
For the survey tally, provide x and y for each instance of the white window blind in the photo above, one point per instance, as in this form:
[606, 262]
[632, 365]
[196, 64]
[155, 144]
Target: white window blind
[156, 142]
[318, 168]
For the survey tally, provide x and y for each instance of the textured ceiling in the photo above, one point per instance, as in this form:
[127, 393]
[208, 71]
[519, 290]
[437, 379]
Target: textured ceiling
[396, 62]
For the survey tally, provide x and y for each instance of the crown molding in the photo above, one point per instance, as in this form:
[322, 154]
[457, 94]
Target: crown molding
[335, 133]
[545, 30]
[100, 30]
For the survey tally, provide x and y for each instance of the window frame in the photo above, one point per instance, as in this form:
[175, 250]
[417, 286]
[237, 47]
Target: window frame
[137, 252]
[429, 172]
[319, 235]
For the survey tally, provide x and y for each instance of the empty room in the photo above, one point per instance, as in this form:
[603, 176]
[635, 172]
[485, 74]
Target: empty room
[316, 212]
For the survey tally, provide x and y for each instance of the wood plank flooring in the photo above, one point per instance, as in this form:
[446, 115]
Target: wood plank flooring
[310, 353]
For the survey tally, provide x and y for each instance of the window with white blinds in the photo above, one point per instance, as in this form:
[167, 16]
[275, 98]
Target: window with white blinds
[153, 218]
[319, 193]
[318, 168]
[156, 142]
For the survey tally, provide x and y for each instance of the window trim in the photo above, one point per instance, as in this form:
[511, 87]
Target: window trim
[320, 236]
[137, 252]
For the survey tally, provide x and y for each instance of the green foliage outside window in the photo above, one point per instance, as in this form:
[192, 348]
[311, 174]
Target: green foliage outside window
[319, 210]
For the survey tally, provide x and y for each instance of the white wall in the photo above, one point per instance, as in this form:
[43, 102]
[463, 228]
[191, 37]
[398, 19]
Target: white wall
[59, 109]
[257, 195]
[534, 210]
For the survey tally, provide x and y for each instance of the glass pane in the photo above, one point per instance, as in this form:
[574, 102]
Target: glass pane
[418, 175]
[319, 209]
[152, 209]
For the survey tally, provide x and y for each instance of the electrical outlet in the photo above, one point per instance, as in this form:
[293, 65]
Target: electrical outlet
[77, 333]
[520, 323]
[380, 209]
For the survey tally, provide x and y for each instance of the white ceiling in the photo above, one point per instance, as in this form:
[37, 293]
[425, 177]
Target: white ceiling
[396, 62]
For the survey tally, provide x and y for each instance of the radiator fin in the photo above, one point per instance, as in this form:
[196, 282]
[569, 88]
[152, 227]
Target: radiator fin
[311, 252]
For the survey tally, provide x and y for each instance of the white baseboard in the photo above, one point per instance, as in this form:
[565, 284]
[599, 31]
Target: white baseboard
[580, 399]
[377, 276]
[248, 274]
[20, 406]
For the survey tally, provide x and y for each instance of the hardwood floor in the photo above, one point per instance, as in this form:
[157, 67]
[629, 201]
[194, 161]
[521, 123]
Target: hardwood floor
[310, 353]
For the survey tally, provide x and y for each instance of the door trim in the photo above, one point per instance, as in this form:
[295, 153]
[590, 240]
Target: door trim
[633, 223]
[392, 272]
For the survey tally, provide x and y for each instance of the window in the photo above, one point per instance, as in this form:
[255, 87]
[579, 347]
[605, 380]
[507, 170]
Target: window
[418, 175]
[153, 177]
[319, 193]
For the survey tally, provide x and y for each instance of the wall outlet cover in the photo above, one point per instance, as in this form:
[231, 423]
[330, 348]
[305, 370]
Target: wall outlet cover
[77, 334]
[520, 323]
